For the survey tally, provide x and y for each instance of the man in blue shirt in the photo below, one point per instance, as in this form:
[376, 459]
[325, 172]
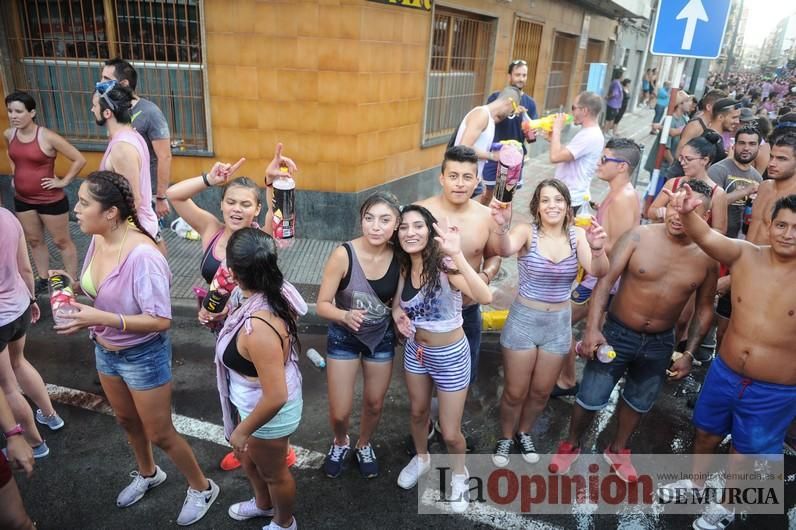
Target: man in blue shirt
[510, 129]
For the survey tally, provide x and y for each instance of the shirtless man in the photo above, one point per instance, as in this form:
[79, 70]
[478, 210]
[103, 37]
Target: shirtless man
[781, 183]
[458, 180]
[656, 262]
[750, 389]
[619, 212]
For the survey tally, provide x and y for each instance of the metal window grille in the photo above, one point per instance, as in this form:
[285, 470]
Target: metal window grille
[527, 41]
[558, 81]
[460, 51]
[58, 47]
[594, 51]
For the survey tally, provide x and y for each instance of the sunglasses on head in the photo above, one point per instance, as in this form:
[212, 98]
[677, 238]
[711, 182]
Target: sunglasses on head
[102, 88]
[517, 62]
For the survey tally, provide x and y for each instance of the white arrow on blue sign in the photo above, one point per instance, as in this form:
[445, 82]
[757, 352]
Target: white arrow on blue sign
[690, 28]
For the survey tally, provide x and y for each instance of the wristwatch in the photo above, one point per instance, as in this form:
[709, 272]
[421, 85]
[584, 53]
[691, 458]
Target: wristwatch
[16, 430]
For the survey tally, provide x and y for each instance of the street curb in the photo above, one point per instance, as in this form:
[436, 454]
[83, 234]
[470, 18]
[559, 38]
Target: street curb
[186, 308]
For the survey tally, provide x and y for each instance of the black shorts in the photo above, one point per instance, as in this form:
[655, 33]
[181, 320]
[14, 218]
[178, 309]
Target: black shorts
[54, 208]
[724, 305]
[610, 113]
[15, 330]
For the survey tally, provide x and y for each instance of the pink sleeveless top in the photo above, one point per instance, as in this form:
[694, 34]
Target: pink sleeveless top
[146, 214]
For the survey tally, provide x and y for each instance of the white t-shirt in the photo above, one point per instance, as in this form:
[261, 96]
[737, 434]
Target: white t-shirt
[586, 148]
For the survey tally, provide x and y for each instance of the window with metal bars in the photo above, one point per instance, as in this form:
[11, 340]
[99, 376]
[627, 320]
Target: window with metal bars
[461, 47]
[527, 41]
[560, 77]
[57, 49]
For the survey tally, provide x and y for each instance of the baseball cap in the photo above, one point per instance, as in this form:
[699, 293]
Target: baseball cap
[725, 104]
[747, 115]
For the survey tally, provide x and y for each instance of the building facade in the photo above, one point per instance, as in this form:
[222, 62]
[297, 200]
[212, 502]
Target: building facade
[364, 94]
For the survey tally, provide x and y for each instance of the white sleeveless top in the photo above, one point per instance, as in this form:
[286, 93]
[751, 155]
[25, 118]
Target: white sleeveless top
[484, 141]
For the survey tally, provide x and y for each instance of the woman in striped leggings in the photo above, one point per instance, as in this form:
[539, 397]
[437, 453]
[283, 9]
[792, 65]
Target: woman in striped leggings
[428, 310]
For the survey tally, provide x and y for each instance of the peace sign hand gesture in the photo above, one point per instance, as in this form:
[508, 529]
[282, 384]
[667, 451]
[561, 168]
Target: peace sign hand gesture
[449, 239]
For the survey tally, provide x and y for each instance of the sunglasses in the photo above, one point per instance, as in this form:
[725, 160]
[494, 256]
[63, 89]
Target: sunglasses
[517, 62]
[605, 159]
[102, 88]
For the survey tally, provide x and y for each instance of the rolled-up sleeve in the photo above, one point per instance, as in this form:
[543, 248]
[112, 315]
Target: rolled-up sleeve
[151, 284]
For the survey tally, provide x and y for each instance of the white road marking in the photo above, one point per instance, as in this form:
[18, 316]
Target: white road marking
[489, 515]
[203, 430]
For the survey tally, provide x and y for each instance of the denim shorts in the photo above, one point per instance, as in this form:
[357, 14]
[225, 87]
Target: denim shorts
[283, 424]
[141, 367]
[641, 357]
[343, 345]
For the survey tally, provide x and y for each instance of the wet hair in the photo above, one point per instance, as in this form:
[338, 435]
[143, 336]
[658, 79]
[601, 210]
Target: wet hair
[251, 254]
[511, 92]
[591, 101]
[460, 153]
[784, 203]
[708, 145]
[23, 97]
[711, 97]
[123, 71]
[701, 188]
[749, 129]
[432, 256]
[112, 189]
[626, 149]
[537, 197]
[242, 182]
[381, 197]
[122, 99]
[786, 140]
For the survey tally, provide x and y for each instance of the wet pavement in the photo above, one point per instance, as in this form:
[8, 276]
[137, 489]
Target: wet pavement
[76, 486]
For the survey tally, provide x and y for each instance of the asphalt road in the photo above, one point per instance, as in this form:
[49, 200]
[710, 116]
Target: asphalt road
[76, 486]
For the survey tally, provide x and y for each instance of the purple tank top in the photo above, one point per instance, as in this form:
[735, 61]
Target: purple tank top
[359, 294]
[146, 215]
[544, 280]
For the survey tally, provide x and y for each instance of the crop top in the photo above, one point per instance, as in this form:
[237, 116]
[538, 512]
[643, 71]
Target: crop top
[235, 361]
[437, 312]
[544, 280]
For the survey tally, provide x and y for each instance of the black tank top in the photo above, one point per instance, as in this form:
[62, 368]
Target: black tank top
[233, 359]
[384, 287]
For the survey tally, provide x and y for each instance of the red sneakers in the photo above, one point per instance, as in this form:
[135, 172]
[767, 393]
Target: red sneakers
[621, 464]
[230, 462]
[565, 456]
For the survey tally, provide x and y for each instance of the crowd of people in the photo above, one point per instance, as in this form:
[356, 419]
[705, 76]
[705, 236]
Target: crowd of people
[418, 275]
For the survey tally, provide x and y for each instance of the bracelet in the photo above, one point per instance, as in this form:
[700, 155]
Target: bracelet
[14, 431]
[594, 250]
[268, 184]
[504, 229]
[122, 322]
[204, 179]
[688, 353]
[488, 279]
[161, 197]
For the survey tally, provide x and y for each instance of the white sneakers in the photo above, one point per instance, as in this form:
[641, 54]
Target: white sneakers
[416, 468]
[460, 492]
[139, 486]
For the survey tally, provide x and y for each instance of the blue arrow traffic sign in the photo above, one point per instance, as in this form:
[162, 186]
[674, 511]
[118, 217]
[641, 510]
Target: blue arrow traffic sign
[690, 28]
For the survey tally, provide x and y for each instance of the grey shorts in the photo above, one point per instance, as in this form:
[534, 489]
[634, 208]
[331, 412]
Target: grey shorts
[528, 328]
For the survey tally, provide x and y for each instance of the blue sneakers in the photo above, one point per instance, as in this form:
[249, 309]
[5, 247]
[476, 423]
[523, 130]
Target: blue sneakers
[336, 460]
[366, 458]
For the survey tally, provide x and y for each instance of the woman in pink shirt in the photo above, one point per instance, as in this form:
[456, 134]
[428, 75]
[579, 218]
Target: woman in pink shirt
[127, 277]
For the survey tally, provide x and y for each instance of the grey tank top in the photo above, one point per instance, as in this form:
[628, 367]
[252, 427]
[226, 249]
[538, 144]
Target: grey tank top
[359, 294]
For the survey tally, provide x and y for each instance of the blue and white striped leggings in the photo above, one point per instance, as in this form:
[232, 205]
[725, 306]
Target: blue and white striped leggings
[448, 366]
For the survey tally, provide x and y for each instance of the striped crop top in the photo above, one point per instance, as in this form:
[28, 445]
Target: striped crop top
[437, 312]
[544, 280]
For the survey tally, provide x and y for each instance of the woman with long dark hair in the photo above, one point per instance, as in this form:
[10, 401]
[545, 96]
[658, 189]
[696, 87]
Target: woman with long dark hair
[241, 204]
[128, 279]
[259, 381]
[428, 311]
[538, 333]
[358, 286]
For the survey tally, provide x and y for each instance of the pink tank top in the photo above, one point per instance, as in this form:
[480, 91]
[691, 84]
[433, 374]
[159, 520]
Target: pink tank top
[146, 214]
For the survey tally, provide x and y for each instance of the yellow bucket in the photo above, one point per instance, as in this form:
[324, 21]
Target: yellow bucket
[494, 320]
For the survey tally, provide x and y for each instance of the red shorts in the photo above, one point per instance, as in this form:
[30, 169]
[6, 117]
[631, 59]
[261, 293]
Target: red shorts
[5, 471]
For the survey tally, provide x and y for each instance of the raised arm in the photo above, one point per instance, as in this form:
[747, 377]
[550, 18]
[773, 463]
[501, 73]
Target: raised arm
[716, 245]
[559, 152]
[504, 240]
[657, 210]
[467, 281]
[591, 249]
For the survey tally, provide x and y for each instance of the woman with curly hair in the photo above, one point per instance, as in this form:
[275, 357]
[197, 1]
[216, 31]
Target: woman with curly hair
[427, 309]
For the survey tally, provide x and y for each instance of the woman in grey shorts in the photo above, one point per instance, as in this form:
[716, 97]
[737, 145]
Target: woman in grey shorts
[537, 334]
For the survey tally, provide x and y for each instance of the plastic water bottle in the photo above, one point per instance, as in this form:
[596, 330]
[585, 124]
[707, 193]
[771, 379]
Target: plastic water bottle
[585, 213]
[605, 353]
[284, 205]
[316, 358]
[508, 171]
[62, 298]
